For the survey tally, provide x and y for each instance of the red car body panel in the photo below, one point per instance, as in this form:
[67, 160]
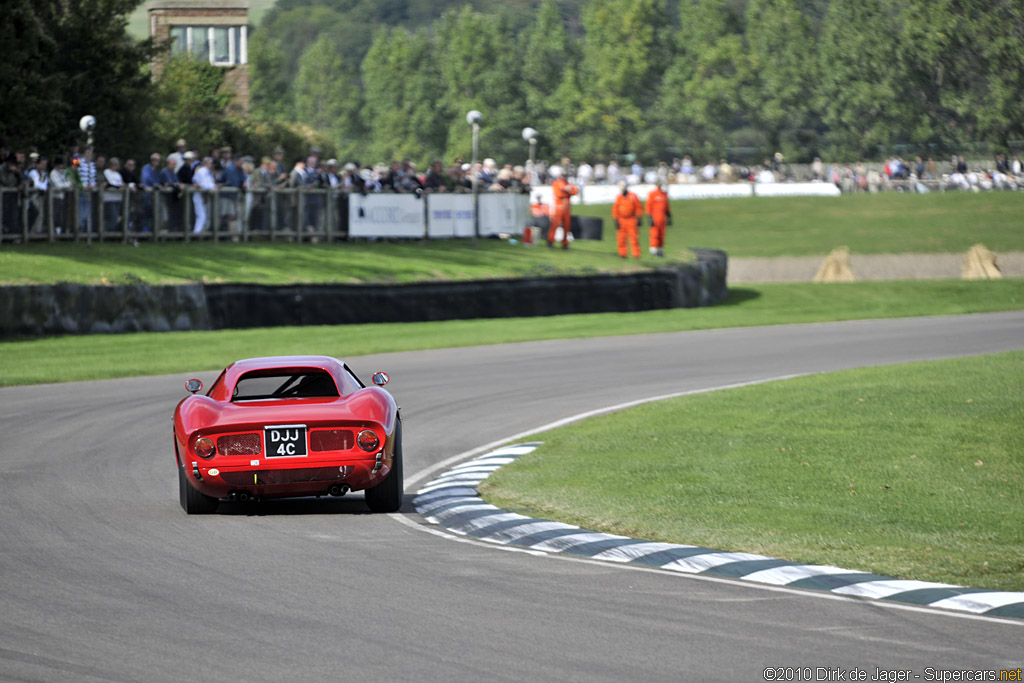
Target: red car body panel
[240, 431]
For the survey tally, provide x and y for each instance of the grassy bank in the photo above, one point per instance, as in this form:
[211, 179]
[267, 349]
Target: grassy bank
[797, 226]
[911, 471]
[62, 359]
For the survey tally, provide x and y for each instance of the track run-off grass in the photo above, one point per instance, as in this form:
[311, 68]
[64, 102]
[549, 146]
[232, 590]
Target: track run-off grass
[753, 227]
[89, 357]
[912, 471]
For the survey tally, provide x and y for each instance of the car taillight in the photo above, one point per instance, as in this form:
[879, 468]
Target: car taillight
[367, 440]
[204, 447]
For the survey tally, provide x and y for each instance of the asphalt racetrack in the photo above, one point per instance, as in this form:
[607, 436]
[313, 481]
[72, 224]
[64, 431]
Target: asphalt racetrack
[104, 578]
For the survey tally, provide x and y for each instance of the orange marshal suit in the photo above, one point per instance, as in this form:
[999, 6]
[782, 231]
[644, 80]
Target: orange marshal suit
[561, 214]
[657, 207]
[627, 211]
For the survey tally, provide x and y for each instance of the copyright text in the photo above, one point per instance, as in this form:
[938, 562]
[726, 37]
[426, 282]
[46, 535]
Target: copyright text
[828, 673]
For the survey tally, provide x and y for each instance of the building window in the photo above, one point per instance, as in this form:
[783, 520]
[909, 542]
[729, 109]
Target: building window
[179, 40]
[220, 45]
[199, 42]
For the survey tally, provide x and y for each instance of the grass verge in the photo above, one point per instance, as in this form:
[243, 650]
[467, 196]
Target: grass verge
[88, 357]
[780, 226]
[910, 471]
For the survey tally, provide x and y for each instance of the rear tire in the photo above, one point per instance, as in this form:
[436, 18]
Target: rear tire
[387, 495]
[192, 501]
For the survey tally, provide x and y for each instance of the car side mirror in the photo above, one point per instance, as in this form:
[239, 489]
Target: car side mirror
[380, 378]
[193, 385]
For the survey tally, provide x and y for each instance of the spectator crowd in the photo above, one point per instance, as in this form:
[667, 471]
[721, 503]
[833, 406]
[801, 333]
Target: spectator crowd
[80, 191]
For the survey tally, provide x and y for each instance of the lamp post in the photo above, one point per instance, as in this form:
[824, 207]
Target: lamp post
[530, 135]
[473, 119]
[88, 125]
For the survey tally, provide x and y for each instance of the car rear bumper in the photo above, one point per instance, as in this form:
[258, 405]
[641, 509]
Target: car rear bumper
[270, 479]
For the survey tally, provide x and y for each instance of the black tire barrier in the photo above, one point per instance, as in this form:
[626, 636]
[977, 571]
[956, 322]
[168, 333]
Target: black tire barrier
[80, 309]
[586, 227]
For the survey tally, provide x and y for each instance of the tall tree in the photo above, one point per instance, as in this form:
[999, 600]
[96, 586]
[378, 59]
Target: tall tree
[966, 69]
[190, 103]
[699, 99]
[268, 81]
[401, 75]
[65, 60]
[549, 53]
[1000, 56]
[32, 113]
[481, 69]
[623, 56]
[276, 48]
[861, 92]
[327, 95]
[107, 72]
[783, 71]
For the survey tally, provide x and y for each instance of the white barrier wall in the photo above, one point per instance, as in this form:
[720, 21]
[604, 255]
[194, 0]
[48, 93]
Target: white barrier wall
[508, 213]
[605, 194]
[796, 190]
[386, 215]
[449, 215]
[435, 215]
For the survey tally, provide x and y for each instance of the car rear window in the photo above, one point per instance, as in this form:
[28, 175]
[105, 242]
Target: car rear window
[284, 383]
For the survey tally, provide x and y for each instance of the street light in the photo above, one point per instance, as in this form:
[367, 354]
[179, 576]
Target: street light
[473, 119]
[88, 125]
[530, 135]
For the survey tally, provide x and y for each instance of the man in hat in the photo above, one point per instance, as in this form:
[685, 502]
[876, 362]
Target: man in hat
[187, 167]
[626, 212]
[562, 213]
[178, 154]
[230, 176]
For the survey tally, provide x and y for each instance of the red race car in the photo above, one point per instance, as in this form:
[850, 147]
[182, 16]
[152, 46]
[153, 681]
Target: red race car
[288, 426]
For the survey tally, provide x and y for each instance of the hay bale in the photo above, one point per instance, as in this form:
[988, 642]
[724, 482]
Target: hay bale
[836, 267]
[980, 264]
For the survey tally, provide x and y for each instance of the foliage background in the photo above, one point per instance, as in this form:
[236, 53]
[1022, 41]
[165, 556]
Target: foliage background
[381, 79]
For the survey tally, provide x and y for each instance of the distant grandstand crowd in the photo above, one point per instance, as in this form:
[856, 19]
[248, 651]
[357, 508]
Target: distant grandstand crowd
[79, 192]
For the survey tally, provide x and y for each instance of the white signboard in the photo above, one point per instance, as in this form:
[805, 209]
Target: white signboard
[796, 190]
[386, 215]
[449, 215]
[709, 190]
[605, 194]
[504, 213]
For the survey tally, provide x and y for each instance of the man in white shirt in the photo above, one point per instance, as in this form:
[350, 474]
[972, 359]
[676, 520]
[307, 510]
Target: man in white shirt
[584, 174]
[112, 196]
[39, 182]
[204, 181]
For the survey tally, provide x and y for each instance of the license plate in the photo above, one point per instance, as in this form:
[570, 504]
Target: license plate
[285, 441]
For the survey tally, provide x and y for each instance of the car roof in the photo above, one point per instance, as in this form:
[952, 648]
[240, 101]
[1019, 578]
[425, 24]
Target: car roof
[271, 362]
[325, 363]
[233, 372]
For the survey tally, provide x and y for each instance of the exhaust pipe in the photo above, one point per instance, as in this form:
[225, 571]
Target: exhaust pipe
[238, 496]
[338, 489]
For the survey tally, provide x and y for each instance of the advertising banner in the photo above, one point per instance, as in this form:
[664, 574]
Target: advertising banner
[449, 215]
[709, 191]
[386, 215]
[504, 213]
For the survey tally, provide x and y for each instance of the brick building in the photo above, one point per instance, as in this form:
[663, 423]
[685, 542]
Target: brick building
[216, 30]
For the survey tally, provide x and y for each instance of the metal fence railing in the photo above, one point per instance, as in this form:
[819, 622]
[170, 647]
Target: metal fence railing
[129, 215]
[282, 214]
